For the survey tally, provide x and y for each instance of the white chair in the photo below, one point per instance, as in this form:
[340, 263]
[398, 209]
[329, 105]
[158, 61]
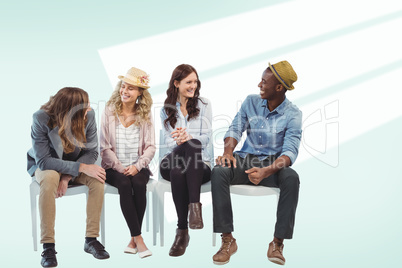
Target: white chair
[34, 192]
[250, 190]
[151, 187]
[164, 186]
[83, 189]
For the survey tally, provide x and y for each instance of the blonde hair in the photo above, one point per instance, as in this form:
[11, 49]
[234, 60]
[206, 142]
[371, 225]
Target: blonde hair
[67, 111]
[142, 108]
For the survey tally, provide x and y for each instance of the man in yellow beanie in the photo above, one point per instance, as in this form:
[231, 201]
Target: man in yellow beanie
[273, 127]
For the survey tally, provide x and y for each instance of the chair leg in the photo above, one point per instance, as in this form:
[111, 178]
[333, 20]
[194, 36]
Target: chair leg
[147, 213]
[161, 210]
[33, 193]
[102, 223]
[155, 228]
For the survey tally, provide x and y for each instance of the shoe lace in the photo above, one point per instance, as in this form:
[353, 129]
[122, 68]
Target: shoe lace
[277, 247]
[226, 243]
[49, 253]
[97, 245]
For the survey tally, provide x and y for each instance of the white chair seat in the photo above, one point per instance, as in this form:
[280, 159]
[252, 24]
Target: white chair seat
[83, 189]
[253, 190]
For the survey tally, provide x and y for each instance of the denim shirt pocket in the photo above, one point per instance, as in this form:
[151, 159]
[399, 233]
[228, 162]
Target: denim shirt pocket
[276, 137]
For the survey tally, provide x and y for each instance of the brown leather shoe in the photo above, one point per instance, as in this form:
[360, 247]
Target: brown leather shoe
[180, 243]
[275, 253]
[195, 216]
[228, 248]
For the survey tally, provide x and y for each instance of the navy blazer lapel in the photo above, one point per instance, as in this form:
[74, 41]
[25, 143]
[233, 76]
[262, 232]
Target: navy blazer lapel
[56, 142]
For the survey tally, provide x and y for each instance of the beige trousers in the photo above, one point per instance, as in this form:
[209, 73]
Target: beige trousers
[49, 182]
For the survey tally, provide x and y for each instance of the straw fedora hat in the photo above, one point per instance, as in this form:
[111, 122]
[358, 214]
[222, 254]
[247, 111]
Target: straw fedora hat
[136, 77]
[285, 74]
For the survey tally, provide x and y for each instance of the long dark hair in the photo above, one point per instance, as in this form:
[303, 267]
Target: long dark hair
[67, 110]
[179, 73]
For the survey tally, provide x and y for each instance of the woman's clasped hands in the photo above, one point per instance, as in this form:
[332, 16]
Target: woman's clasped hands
[180, 135]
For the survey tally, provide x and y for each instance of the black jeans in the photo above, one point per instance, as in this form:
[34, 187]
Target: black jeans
[186, 171]
[287, 180]
[133, 196]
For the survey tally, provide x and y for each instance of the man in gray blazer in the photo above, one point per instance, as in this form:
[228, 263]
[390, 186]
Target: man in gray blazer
[54, 169]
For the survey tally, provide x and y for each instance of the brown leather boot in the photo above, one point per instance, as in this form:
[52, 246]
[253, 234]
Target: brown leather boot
[195, 216]
[275, 253]
[228, 248]
[180, 243]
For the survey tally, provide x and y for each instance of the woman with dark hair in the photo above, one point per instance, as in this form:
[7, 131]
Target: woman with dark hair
[127, 145]
[186, 122]
[64, 150]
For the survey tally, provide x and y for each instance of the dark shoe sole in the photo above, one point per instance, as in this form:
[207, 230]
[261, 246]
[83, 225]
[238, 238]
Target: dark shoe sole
[177, 254]
[99, 258]
[49, 265]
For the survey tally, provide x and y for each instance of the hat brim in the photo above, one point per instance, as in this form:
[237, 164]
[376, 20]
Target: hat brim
[279, 78]
[131, 82]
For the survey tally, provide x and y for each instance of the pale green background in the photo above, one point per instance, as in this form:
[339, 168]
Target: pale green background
[348, 215]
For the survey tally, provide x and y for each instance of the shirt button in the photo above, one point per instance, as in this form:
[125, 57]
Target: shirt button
[262, 126]
[260, 136]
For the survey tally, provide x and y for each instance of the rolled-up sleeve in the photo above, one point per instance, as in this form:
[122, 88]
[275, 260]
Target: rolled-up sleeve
[239, 123]
[292, 137]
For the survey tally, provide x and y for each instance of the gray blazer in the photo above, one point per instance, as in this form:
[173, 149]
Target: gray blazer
[47, 151]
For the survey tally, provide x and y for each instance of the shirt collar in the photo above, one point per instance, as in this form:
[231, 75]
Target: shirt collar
[280, 109]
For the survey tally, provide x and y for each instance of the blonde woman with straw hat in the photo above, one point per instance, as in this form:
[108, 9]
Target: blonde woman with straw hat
[127, 145]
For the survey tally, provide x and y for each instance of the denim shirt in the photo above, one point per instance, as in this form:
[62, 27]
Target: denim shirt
[268, 133]
[199, 128]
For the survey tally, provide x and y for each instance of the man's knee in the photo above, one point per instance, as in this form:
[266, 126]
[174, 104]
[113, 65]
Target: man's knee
[289, 178]
[95, 185]
[49, 180]
[220, 174]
